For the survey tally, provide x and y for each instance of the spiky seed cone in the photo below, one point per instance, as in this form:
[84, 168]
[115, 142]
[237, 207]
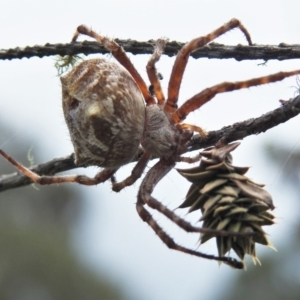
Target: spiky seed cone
[229, 201]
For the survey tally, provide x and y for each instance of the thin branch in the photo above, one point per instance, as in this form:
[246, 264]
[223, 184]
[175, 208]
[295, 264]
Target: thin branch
[265, 52]
[231, 133]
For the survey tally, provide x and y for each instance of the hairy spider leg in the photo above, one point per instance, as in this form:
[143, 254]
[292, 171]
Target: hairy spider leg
[99, 178]
[183, 56]
[192, 128]
[155, 174]
[171, 244]
[120, 55]
[139, 168]
[206, 95]
[45, 180]
[152, 71]
[136, 173]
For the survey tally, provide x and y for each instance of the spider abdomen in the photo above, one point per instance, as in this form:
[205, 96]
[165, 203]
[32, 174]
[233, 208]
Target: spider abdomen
[105, 113]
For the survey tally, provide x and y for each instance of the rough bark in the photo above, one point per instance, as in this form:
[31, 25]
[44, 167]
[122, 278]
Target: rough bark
[234, 132]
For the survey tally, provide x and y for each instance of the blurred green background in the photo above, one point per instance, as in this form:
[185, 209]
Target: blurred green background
[37, 260]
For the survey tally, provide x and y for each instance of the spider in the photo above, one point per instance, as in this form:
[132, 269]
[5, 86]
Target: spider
[111, 114]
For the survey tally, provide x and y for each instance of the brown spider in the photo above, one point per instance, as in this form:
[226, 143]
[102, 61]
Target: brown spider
[104, 108]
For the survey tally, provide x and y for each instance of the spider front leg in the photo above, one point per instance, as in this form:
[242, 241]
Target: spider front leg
[183, 56]
[189, 160]
[45, 180]
[192, 128]
[206, 95]
[120, 55]
[152, 72]
[135, 174]
[144, 197]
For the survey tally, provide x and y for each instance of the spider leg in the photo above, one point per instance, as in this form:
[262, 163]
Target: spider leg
[120, 55]
[170, 243]
[43, 180]
[155, 174]
[192, 128]
[152, 72]
[135, 174]
[183, 56]
[206, 95]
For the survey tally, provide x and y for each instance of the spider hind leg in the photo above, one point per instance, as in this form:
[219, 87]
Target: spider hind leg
[120, 55]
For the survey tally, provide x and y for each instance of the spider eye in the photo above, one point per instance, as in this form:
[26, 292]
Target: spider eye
[73, 103]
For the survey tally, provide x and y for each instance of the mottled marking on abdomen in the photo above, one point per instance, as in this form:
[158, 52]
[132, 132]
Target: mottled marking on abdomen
[105, 113]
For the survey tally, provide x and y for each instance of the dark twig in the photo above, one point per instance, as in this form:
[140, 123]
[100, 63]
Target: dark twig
[231, 133]
[240, 52]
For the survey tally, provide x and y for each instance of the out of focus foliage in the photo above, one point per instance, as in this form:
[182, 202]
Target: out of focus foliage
[36, 257]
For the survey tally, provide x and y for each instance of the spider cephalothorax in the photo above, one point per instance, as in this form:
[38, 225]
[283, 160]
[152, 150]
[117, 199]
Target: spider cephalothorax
[111, 113]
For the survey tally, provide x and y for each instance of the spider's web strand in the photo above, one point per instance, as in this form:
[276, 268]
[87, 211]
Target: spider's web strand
[16, 133]
[285, 162]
